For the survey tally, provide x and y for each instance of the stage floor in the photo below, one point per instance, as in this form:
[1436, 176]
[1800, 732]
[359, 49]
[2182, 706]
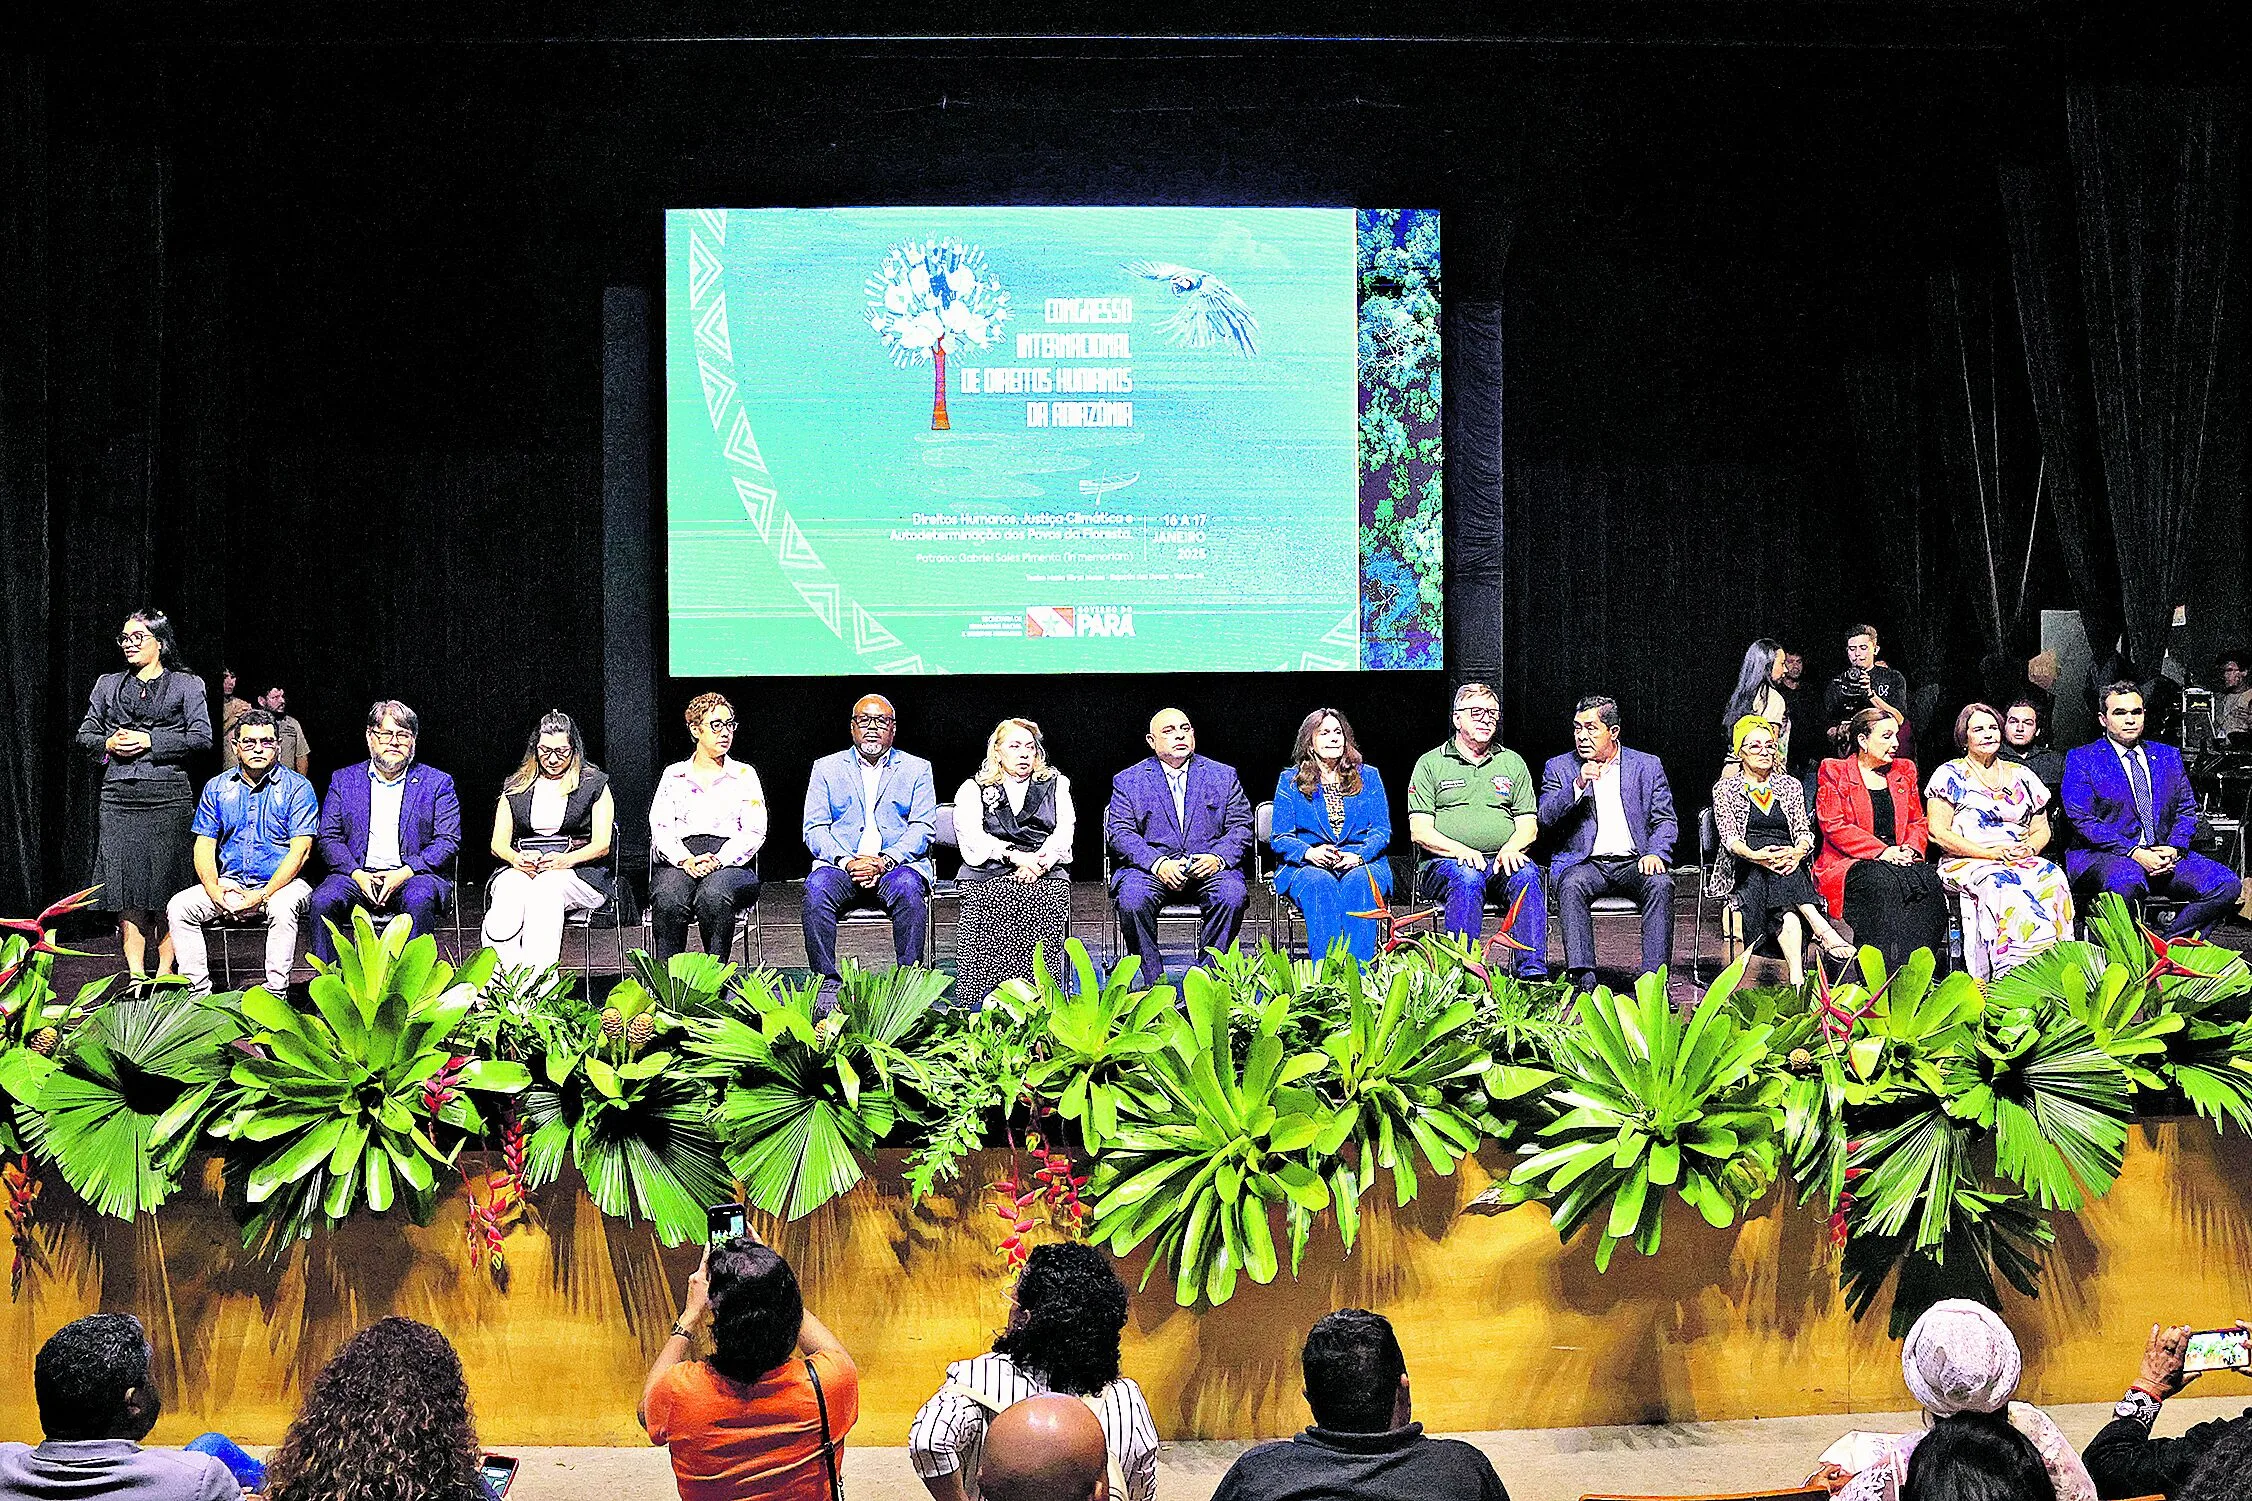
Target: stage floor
[777, 939]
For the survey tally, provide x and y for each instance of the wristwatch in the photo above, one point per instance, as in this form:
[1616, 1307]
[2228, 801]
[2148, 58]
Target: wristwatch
[2137, 1404]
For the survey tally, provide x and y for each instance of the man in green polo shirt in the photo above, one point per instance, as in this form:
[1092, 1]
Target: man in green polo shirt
[1474, 811]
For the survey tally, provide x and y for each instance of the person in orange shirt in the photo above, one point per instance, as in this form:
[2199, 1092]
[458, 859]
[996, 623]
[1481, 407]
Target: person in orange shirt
[767, 1414]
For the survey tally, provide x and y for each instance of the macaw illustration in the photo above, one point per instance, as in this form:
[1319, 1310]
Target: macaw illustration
[1209, 314]
[929, 299]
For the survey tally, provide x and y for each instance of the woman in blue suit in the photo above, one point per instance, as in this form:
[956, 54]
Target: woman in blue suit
[1331, 826]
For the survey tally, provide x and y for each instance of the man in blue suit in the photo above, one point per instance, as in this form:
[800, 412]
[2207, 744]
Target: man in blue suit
[871, 812]
[1615, 812]
[389, 826]
[2132, 817]
[1180, 823]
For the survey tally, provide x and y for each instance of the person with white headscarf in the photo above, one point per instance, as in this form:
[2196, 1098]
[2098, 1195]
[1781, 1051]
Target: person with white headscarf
[1961, 1358]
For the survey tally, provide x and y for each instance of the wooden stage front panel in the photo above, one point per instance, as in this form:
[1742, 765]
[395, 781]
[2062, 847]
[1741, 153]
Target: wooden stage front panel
[1503, 1328]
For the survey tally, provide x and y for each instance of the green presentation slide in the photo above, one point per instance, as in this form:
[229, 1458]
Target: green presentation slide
[1025, 440]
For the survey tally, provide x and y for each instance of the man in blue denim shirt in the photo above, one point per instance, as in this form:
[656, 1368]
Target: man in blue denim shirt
[870, 815]
[253, 828]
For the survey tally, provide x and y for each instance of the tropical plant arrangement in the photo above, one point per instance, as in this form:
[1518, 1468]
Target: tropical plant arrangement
[1939, 1125]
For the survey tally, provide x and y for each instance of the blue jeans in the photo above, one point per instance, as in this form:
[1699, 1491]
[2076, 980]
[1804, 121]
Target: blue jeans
[829, 892]
[1462, 889]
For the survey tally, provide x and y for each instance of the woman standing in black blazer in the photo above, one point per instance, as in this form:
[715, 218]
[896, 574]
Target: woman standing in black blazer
[143, 724]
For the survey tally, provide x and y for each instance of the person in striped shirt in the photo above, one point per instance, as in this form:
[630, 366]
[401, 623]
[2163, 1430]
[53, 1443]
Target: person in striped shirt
[1062, 1337]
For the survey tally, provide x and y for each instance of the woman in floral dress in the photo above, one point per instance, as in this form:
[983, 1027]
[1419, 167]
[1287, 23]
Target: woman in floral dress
[1987, 815]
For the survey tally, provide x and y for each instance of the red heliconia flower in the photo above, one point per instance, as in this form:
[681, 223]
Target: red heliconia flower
[19, 1197]
[2164, 965]
[443, 1087]
[1390, 925]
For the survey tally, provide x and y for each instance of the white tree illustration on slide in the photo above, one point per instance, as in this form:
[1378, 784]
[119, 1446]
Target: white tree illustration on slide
[931, 299]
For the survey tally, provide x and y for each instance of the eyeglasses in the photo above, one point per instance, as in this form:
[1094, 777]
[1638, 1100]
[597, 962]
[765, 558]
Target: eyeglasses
[132, 639]
[720, 726]
[245, 743]
[554, 753]
[873, 721]
[1482, 715]
[392, 737]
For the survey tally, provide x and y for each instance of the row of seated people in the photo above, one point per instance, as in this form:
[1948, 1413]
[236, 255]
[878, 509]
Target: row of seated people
[1180, 825]
[1047, 1414]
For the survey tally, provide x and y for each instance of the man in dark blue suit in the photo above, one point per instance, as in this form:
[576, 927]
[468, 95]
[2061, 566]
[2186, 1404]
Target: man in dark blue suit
[389, 826]
[2133, 816]
[1181, 824]
[1615, 812]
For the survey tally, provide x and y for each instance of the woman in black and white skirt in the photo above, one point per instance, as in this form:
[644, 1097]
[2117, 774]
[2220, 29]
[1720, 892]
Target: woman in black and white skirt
[1013, 822]
[143, 724]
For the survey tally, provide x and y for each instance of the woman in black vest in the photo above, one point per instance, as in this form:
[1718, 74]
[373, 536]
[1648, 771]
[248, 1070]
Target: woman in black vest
[552, 830]
[1013, 823]
[143, 724]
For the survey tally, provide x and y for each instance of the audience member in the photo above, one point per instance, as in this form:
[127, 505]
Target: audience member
[1014, 823]
[2126, 1461]
[1760, 818]
[1064, 1321]
[551, 830]
[766, 1416]
[871, 812]
[707, 823]
[1364, 1443]
[1871, 870]
[2232, 706]
[1866, 683]
[1961, 1358]
[254, 827]
[1989, 816]
[97, 1400]
[2221, 1476]
[1976, 1456]
[1045, 1449]
[143, 724]
[1330, 827]
[1180, 824]
[390, 829]
[387, 1419]
[2025, 740]
[1474, 811]
[294, 752]
[1614, 810]
[2133, 816]
[1759, 692]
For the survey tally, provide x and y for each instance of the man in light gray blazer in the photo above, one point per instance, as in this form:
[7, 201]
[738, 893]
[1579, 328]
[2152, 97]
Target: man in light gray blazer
[870, 814]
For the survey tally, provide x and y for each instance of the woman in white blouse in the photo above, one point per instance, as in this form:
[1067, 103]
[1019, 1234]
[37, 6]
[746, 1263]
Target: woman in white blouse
[706, 825]
[551, 833]
[1013, 823]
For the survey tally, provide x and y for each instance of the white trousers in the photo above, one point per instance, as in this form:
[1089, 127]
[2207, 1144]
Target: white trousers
[193, 909]
[524, 921]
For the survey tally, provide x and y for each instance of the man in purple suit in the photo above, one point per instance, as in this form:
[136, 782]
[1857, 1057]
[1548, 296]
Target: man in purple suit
[2132, 817]
[1615, 811]
[1181, 824]
[389, 827]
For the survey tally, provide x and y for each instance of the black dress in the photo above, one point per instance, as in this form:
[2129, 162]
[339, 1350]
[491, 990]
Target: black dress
[1763, 897]
[143, 855]
[1895, 909]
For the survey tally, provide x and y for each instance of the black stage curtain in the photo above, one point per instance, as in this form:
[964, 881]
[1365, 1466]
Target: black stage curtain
[2158, 200]
[1994, 498]
[1884, 376]
[1645, 581]
[24, 640]
[2045, 279]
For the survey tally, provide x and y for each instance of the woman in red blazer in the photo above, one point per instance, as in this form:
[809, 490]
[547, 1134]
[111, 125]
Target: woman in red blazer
[1871, 870]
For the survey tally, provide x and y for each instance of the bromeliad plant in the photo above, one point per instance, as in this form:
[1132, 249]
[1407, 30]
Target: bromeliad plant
[1199, 1168]
[1651, 1106]
[329, 1109]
